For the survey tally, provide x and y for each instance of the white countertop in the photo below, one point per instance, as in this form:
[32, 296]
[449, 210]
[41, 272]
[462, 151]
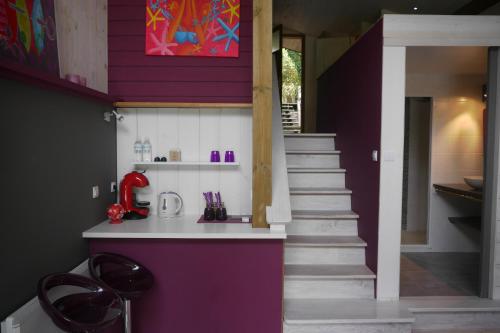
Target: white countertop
[183, 227]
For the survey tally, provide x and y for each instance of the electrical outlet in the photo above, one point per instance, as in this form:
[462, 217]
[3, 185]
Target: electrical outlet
[95, 192]
[113, 187]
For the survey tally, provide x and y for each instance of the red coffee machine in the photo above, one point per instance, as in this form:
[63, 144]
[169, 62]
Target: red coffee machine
[134, 210]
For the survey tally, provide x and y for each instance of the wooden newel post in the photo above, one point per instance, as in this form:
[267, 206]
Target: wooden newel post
[262, 111]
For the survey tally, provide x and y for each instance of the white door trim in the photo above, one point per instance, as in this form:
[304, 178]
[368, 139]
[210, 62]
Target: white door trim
[401, 31]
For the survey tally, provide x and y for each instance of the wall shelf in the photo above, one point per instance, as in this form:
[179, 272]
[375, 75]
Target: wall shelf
[33, 76]
[187, 163]
[182, 105]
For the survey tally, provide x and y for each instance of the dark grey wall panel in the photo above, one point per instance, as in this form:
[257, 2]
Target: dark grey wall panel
[55, 147]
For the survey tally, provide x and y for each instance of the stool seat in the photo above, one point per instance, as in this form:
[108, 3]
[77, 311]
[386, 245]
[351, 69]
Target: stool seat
[80, 312]
[126, 277]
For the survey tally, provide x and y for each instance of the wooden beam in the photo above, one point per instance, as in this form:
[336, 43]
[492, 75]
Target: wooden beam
[182, 105]
[262, 111]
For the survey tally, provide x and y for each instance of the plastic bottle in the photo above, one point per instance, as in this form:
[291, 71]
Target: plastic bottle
[147, 151]
[138, 150]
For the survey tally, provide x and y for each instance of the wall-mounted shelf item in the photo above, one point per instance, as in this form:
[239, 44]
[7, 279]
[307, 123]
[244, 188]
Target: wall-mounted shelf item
[187, 163]
[460, 190]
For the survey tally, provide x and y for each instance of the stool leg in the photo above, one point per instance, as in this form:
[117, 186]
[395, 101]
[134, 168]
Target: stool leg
[127, 317]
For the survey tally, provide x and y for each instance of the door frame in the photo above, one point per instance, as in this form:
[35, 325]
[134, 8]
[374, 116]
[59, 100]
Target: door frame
[399, 32]
[424, 247]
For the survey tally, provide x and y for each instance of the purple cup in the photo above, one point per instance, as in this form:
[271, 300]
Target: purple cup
[230, 154]
[215, 156]
[227, 157]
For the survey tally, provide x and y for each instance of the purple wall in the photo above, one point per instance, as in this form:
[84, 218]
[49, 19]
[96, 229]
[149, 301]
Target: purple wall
[210, 286]
[133, 76]
[349, 104]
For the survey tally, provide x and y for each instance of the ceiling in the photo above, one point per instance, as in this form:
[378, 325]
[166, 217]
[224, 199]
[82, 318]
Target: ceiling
[446, 60]
[332, 18]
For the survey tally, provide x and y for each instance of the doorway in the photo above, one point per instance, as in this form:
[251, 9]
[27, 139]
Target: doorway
[289, 50]
[415, 209]
[443, 148]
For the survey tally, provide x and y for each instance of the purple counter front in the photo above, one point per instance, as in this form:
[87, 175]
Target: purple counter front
[205, 285]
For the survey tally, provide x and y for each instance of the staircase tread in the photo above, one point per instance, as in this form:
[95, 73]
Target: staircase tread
[316, 135]
[299, 169]
[345, 311]
[335, 241]
[324, 214]
[328, 272]
[313, 152]
[319, 190]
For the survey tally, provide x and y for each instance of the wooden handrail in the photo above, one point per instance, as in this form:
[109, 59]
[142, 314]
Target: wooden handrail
[279, 213]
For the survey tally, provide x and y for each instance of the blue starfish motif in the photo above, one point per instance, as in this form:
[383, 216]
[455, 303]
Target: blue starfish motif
[154, 4]
[167, 14]
[230, 34]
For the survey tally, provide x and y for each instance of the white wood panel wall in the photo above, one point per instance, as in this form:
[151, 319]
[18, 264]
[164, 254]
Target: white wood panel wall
[82, 40]
[196, 132]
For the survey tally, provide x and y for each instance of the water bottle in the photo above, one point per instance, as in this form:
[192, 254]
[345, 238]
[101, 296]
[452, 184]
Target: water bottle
[138, 150]
[147, 152]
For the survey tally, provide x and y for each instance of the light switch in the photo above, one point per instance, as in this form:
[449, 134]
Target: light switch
[95, 192]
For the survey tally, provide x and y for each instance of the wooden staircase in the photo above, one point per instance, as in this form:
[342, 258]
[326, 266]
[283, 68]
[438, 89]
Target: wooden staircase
[324, 257]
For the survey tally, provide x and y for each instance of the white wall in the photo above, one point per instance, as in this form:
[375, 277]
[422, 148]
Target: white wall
[196, 132]
[456, 151]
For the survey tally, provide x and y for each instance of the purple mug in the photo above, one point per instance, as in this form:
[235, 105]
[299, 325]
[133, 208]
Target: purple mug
[229, 156]
[215, 156]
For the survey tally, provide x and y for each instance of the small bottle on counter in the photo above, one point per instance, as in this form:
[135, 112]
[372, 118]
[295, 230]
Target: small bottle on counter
[147, 151]
[138, 150]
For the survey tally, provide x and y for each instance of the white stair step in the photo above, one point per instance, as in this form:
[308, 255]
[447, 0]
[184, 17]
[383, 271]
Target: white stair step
[334, 227]
[325, 241]
[450, 313]
[308, 141]
[345, 316]
[324, 214]
[313, 159]
[316, 177]
[311, 135]
[329, 289]
[325, 250]
[320, 198]
[328, 272]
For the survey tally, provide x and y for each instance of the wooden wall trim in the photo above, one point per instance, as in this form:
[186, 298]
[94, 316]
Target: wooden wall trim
[182, 105]
[262, 111]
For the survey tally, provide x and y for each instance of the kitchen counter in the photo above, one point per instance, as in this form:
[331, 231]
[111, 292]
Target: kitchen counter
[461, 190]
[184, 227]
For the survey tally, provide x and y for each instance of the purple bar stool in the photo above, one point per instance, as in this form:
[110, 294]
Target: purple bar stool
[126, 277]
[84, 312]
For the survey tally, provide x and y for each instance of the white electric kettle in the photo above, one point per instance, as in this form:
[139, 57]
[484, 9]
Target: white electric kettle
[169, 204]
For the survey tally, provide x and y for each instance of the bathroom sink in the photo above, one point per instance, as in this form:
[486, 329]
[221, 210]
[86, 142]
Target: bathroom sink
[474, 181]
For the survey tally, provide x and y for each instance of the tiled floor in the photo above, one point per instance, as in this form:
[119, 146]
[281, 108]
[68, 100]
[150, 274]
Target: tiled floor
[439, 274]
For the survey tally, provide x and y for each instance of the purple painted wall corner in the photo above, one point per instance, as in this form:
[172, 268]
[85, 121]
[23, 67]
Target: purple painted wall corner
[349, 104]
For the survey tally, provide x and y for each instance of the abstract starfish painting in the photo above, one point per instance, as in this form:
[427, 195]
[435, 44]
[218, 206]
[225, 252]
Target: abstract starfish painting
[207, 28]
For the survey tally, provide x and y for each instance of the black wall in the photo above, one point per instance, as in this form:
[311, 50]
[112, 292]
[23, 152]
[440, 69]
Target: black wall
[55, 147]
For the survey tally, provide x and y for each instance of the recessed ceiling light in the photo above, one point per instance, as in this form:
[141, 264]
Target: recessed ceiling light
[415, 8]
